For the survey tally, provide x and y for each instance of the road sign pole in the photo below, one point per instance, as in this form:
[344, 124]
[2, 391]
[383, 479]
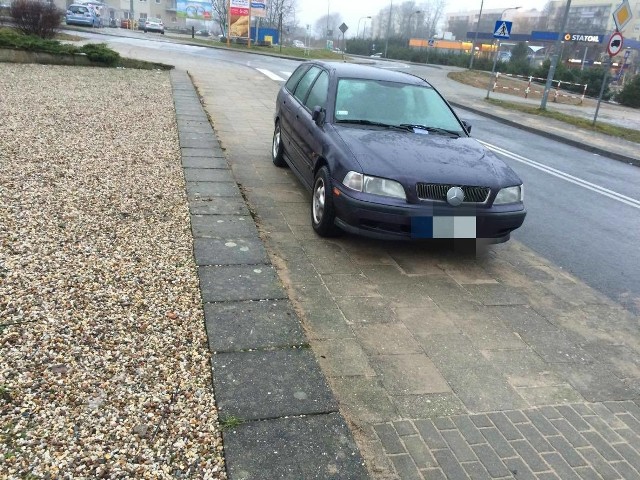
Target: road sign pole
[554, 58]
[493, 70]
[604, 82]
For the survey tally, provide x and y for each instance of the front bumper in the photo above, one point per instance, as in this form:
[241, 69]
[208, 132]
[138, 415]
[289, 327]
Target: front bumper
[416, 221]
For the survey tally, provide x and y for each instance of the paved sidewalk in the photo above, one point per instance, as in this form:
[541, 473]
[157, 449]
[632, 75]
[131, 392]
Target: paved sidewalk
[571, 356]
[442, 366]
[279, 416]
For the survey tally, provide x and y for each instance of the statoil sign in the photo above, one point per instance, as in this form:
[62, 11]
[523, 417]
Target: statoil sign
[582, 37]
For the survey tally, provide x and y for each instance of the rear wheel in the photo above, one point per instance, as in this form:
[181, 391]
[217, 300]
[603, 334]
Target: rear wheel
[277, 150]
[323, 214]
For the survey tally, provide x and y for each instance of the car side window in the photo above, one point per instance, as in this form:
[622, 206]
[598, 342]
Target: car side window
[303, 86]
[318, 94]
[295, 78]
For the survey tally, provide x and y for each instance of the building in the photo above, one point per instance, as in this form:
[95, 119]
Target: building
[596, 16]
[585, 17]
[167, 10]
[524, 21]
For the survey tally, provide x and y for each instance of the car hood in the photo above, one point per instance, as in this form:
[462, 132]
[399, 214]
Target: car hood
[433, 158]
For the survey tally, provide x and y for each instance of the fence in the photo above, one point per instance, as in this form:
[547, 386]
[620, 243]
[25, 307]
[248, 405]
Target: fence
[528, 90]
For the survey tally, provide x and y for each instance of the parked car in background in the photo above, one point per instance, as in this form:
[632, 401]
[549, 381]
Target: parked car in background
[82, 15]
[298, 44]
[125, 23]
[141, 23]
[385, 156]
[154, 25]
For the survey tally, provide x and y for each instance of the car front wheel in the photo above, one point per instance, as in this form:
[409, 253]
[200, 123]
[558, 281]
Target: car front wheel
[277, 150]
[323, 214]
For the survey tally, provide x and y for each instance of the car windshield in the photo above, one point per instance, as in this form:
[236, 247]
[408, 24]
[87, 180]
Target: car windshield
[392, 103]
[154, 20]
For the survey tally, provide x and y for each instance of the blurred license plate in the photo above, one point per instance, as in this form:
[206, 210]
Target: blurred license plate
[443, 227]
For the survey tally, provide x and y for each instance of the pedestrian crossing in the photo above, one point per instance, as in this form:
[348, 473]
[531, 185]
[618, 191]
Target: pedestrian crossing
[274, 76]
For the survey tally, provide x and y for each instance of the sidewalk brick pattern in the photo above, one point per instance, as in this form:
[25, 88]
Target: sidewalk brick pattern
[577, 441]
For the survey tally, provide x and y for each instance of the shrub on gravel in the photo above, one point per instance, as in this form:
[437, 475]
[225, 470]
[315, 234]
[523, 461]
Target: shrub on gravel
[33, 17]
[629, 96]
[96, 52]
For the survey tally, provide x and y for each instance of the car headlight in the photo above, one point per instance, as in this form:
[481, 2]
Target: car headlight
[374, 185]
[509, 195]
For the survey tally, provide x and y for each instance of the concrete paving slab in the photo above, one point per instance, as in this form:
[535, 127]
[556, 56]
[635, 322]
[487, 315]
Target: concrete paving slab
[208, 175]
[342, 357]
[596, 383]
[492, 294]
[229, 251]
[197, 190]
[386, 339]
[314, 447]
[323, 323]
[222, 226]
[428, 405]
[364, 400]
[409, 374]
[233, 283]
[270, 384]
[236, 326]
[425, 321]
[218, 206]
[199, 151]
[364, 310]
[204, 162]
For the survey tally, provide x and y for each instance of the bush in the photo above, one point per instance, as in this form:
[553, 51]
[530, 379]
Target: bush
[96, 52]
[99, 52]
[629, 96]
[12, 39]
[33, 17]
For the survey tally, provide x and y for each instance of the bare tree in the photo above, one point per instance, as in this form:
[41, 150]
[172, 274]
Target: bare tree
[334, 21]
[220, 9]
[285, 7]
[432, 12]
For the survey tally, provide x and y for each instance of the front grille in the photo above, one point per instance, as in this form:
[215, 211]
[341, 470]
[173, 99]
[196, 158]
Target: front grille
[438, 192]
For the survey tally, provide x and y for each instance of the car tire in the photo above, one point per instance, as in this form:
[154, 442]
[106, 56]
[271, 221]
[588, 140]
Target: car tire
[277, 149]
[323, 213]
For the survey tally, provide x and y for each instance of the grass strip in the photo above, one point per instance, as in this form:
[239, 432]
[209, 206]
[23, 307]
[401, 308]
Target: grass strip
[606, 128]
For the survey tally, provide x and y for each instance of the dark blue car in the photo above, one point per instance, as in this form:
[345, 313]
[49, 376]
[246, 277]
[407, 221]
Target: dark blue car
[385, 156]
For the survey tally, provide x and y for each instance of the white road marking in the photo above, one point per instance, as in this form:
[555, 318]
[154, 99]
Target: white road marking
[632, 202]
[270, 74]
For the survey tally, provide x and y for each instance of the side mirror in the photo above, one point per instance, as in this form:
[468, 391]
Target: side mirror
[467, 126]
[318, 115]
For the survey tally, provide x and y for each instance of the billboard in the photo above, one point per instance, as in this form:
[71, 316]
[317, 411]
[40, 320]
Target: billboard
[259, 8]
[194, 10]
[239, 18]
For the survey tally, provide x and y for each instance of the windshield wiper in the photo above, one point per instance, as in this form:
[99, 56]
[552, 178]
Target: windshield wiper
[443, 131]
[375, 124]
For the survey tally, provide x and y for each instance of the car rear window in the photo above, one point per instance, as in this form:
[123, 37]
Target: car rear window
[77, 9]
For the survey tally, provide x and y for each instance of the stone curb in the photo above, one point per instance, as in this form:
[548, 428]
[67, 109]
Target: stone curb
[279, 417]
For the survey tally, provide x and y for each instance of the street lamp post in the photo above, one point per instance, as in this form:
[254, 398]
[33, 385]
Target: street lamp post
[358, 30]
[386, 42]
[554, 58]
[475, 38]
[327, 30]
[411, 15]
[495, 57]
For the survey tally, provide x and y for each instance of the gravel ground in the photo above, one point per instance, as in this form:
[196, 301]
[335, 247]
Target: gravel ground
[104, 366]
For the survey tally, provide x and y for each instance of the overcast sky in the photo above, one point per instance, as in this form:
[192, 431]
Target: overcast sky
[352, 11]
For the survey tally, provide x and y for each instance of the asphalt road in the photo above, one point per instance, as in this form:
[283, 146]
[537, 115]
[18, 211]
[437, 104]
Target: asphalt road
[584, 209]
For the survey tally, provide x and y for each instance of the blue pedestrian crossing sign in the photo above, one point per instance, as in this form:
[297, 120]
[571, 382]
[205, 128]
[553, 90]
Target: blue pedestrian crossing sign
[502, 30]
